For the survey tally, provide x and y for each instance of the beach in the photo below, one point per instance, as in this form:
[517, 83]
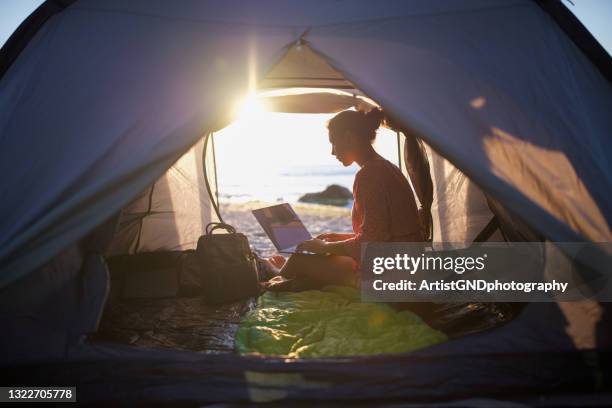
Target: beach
[317, 219]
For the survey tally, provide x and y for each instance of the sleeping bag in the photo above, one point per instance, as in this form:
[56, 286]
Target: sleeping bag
[330, 322]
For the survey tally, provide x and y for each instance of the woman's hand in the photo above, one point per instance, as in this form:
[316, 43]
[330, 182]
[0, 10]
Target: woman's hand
[316, 245]
[334, 237]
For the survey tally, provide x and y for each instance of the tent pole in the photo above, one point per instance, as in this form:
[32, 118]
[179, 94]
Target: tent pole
[399, 150]
[208, 189]
[212, 141]
[142, 217]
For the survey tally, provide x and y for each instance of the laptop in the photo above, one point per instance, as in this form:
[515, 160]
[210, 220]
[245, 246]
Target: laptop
[283, 226]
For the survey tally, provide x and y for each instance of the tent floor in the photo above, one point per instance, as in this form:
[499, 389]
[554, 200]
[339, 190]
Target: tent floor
[173, 323]
[189, 324]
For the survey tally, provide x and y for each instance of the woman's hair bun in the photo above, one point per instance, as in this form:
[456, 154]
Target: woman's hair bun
[374, 118]
[363, 124]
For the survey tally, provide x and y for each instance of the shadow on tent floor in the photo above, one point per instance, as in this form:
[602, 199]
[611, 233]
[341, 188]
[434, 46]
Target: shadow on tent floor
[178, 323]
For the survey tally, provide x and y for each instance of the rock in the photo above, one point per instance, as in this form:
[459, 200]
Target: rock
[332, 195]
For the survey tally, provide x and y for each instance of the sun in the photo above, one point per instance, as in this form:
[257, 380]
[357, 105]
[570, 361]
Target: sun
[250, 108]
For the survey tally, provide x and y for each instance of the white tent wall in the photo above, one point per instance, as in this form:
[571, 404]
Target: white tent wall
[494, 86]
[459, 209]
[171, 214]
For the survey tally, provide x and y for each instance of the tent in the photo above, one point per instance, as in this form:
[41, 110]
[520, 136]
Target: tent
[104, 106]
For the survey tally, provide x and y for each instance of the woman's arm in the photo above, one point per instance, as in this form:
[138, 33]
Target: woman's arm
[318, 246]
[372, 196]
[335, 236]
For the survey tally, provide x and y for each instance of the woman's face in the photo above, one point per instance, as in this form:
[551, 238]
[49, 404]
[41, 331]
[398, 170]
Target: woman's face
[342, 147]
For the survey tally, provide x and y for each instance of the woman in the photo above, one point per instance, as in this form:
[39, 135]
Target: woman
[384, 209]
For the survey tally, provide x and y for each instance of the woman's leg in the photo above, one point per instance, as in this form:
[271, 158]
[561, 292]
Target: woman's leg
[303, 272]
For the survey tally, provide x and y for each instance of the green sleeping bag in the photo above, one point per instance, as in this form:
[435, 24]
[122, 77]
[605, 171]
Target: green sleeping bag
[330, 322]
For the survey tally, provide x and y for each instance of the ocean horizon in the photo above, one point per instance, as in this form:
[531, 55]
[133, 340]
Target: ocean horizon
[283, 184]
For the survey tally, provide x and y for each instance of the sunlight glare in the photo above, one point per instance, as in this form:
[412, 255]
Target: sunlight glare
[283, 155]
[250, 108]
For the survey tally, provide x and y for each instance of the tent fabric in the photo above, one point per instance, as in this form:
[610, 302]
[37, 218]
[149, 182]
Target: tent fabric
[111, 117]
[488, 363]
[496, 87]
[513, 228]
[313, 100]
[459, 208]
[172, 213]
[519, 132]
[418, 169]
[300, 67]
[26, 31]
[40, 312]
[579, 35]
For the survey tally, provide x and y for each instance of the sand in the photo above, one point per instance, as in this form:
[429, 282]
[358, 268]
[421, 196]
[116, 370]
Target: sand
[317, 218]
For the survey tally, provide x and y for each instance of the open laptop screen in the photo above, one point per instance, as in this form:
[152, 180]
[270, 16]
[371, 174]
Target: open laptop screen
[282, 225]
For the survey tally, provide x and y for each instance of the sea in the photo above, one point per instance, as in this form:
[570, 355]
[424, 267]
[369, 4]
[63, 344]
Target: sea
[282, 184]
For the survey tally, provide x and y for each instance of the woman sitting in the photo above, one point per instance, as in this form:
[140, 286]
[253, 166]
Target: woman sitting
[384, 210]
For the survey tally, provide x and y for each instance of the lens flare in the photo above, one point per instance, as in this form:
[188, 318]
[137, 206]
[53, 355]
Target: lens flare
[250, 108]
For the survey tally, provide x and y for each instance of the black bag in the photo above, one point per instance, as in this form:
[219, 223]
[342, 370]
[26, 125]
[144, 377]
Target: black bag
[227, 265]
